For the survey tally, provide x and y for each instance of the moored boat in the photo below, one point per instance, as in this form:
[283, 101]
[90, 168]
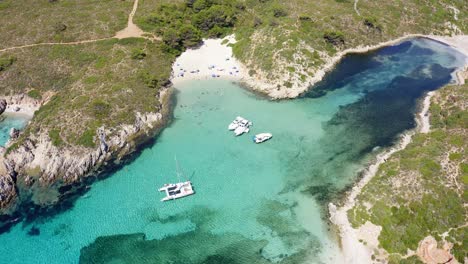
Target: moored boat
[234, 124]
[177, 190]
[262, 137]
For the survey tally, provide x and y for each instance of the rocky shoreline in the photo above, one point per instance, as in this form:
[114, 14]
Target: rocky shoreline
[274, 89]
[354, 250]
[38, 176]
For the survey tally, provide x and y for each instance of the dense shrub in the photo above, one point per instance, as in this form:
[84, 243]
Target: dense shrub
[278, 11]
[6, 62]
[35, 94]
[184, 25]
[335, 38]
[87, 138]
[54, 136]
[371, 22]
[100, 109]
[138, 54]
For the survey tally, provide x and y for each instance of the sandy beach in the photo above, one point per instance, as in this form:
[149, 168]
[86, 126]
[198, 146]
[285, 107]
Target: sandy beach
[212, 60]
[21, 104]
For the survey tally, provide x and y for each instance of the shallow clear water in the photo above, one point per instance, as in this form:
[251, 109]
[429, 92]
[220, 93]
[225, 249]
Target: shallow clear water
[8, 122]
[253, 203]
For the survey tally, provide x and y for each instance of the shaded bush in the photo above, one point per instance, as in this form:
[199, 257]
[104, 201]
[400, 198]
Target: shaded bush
[54, 136]
[138, 54]
[217, 15]
[305, 18]
[6, 62]
[60, 27]
[35, 94]
[335, 38]
[100, 109]
[371, 22]
[279, 11]
[87, 139]
[184, 25]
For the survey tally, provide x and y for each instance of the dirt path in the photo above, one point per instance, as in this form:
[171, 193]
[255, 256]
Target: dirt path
[54, 43]
[132, 30]
[355, 7]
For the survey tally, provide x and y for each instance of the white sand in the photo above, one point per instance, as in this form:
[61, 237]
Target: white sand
[353, 250]
[196, 64]
[423, 120]
[22, 104]
[24, 109]
[459, 42]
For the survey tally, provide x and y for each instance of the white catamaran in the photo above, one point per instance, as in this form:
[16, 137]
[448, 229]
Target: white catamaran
[177, 190]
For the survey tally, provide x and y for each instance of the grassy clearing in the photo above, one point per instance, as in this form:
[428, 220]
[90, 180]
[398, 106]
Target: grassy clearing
[420, 190]
[91, 85]
[34, 21]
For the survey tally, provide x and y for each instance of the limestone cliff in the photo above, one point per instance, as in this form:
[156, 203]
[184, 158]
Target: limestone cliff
[39, 172]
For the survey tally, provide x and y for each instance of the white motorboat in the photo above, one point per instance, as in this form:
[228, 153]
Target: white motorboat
[234, 124]
[262, 137]
[243, 127]
[177, 190]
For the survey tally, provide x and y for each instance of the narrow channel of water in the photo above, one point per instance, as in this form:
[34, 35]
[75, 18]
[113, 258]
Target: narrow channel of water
[253, 203]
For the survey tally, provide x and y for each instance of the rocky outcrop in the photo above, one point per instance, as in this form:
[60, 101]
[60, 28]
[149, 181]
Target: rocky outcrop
[37, 164]
[428, 252]
[3, 105]
[14, 133]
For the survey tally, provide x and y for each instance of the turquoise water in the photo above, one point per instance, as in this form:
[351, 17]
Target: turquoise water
[253, 203]
[9, 121]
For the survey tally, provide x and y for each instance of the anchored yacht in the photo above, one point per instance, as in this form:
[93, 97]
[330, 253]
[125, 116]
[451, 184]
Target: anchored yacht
[234, 124]
[177, 190]
[243, 127]
[262, 137]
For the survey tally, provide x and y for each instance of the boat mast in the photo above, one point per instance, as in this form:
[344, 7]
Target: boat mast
[177, 168]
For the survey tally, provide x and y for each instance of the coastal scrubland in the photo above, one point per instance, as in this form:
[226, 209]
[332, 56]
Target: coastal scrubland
[87, 86]
[29, 21]
[420, 191]
[288, 41]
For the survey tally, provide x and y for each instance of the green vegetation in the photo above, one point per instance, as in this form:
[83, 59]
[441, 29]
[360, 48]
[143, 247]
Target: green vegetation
[35, 94]
[32, 21]
[183, 24]
[371, 22]
[335, 38]
[93, 85]
[87, 138]
[6, 62]
[54, 136]
[138, 54]
[274, 34]
[413, 194]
